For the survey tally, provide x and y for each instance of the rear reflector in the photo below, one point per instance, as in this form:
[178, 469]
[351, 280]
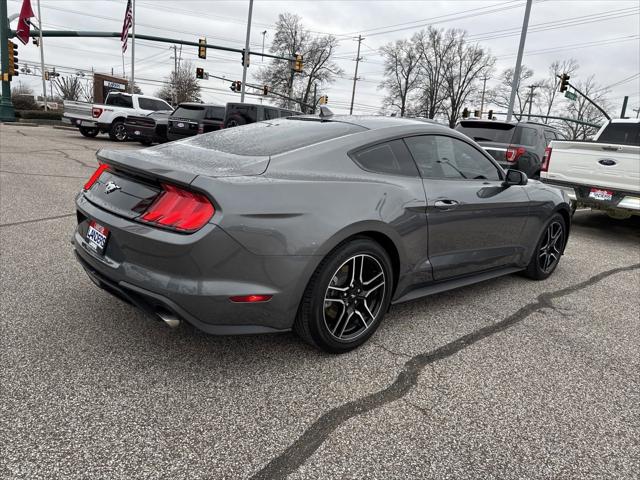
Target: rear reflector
[546, 158]
[514, 153]
[179, 209]
[96, 175]
[96, 112]
[250, 298]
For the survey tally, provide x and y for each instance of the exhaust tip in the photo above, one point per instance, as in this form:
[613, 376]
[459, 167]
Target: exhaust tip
[170, 319]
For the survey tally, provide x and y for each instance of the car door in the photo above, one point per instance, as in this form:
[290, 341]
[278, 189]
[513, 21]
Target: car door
[474, 222]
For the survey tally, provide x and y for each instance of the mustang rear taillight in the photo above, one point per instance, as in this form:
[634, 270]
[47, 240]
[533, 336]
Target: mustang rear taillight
[179, 209]
[546, 158]
[514, 153]
[250, 298]
[96, 175]
[96, 112]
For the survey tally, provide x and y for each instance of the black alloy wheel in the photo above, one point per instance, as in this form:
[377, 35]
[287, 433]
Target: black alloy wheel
[118, 132]
[548, 250]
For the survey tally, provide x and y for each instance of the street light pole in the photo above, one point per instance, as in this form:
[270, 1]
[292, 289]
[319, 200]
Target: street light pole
[7, 114]
[44, 84]
[355, 76]
[245, 55]
[515, 83]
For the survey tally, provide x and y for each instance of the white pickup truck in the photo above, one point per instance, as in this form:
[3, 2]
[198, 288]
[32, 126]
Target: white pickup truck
[602, 174]
[109, 117]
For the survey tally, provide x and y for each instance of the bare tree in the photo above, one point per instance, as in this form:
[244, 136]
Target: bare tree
[319, 69]
[434, 49]
[401, 74]
[465, 64]
[68, 87]
[501, 94]
[582, 109]
[549, 87]
[181, 85]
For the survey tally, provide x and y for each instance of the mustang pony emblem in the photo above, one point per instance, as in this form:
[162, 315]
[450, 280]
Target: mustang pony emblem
[111, 187]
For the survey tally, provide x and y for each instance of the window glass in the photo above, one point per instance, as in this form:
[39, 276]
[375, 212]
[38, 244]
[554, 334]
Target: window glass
[445, 157]
[120, 101]
[215, 113]
[389, 157]
[525, 136]
[490, 131]
[548, 136]
[192, 112]
[621, 134]
[152, 104]
[270, 113]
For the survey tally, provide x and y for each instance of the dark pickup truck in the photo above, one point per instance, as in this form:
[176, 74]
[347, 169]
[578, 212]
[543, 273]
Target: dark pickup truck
[194, 118]
[148, 129]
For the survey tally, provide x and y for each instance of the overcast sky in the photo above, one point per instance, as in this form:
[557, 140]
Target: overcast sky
[602, 35]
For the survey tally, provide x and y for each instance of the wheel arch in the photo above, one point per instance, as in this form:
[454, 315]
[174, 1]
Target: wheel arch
[565, 211]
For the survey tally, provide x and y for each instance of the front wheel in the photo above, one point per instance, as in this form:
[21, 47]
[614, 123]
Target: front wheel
[548, 250]
[118, 132]
[347, 297]
[89, 132]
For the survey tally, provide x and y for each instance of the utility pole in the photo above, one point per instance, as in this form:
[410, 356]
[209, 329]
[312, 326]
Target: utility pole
[264, 34]
[515, 83]
[133, 42]
[355, 76]
[531, 89]
[484, 87]
[315, 97]
[7, 113]
[174, 90]
[245, 54]
[44, 85]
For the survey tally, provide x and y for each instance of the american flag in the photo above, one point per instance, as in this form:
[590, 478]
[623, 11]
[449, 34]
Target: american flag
[128, 19]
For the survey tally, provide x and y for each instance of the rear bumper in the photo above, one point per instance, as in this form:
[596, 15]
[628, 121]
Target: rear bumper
[179, 136]
[79, 122]
[192, 276]
[141, 133]
[622, 200]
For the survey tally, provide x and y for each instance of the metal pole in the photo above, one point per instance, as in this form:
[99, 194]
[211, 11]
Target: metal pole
[624, 107]
[245, 54]
[44, 84]
[133, 43]
[515, 84]
[264, 34]
[315, 97]
[355, 76]
[174, 87]
[484, 87]
[7, 113]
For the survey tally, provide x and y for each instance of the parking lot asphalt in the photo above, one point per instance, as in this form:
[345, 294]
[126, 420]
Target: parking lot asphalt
[509, 378]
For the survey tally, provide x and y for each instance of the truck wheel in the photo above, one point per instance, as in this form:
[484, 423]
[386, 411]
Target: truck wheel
[118, 132]
[235, 121]
[88, 132]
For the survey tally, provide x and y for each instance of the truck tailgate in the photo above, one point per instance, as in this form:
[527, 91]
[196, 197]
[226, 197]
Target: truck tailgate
[595, 164]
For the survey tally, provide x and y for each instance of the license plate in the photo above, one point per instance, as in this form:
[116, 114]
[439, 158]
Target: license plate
[97, 236]
[598, 194]
[137, 132]
[78, 122]
[180, 125]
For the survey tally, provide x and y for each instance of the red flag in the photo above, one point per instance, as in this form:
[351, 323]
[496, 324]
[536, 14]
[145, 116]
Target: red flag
[126, 25]
[22, 30]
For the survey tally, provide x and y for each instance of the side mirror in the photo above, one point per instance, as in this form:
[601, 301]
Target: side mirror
[515, 177]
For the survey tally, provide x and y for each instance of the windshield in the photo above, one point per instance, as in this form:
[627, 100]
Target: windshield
[487, 131]
[192, 112]
[272, 137]
[621, 134]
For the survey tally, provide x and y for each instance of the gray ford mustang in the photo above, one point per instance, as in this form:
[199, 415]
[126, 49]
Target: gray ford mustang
[315, 224]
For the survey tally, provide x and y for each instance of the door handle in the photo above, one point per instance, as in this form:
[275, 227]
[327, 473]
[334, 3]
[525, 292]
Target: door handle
[445, 204]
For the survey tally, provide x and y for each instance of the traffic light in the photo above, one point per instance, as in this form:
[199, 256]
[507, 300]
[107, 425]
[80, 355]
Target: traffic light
[242, 60]
[13, 59]
[323, 100]
[46, 76]
[564, 82]
[202, 48]
[476, 113]
[200, 73]
[465, 113]
[236, 86]
[490, 115]
[265, 90]
[298, 64]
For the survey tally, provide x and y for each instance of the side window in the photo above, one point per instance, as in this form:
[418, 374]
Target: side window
[389, 157]
[525, 136]
[270, 113]
[548, 136]
[120, 101]
[449, 158]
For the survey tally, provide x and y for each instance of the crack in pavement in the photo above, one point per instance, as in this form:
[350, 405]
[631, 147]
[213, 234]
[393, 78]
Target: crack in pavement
[320, 430]
[41, 174]
[69, 157]
[23, 222]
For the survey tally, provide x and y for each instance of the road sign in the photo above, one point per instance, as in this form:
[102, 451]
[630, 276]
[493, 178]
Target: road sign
[571, 95]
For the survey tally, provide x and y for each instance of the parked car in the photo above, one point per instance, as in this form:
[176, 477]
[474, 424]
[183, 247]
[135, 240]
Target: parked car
[237, 114]
[518, 145]
[603, 174]
[148, 129]
[315, 224]
[193, 118]
[109, 117]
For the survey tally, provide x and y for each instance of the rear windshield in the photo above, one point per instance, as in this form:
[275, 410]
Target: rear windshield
[487, 131]
[272, 137]
[621, 134]
[193, 112]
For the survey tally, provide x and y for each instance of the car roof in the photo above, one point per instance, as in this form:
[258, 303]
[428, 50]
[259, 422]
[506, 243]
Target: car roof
[485, 122]
[373, 122]
[197, 104]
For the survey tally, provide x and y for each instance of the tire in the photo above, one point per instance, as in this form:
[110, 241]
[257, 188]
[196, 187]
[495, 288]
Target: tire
[574, 207]
[117, 131]
[339, 312]
[235, 121]
[88, 131]
[146, 143]
[548, 251]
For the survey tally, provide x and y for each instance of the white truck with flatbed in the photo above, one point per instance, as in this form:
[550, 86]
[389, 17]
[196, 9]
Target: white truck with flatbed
[109, 117]
[602, 174]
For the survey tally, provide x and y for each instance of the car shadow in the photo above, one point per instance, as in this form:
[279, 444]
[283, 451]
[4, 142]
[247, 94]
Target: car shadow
[603, 226]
